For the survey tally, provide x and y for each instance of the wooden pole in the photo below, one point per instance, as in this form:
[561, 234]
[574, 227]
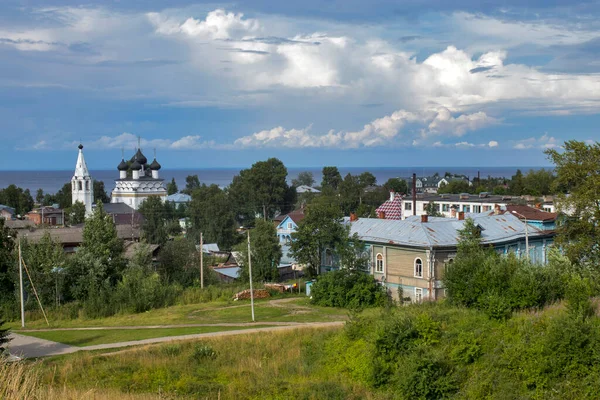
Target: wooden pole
[36, 293]
[21, 286]
[250, 274]
[201, 262]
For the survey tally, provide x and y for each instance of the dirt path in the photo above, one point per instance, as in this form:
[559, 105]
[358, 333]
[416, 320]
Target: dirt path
[101, 328]
[30, 347]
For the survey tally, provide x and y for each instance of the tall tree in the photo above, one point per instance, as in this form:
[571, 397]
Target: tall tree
[241, 201]
[100, 238]
[266, 253]
[578, 172]
[538, 183]
[367, 179]
[76, 213]
[210, 213]
[192, 182]
[4, 337]
[7, 262]
[153, 227]
[178, 261]
[304, 178]
[100, 193]
[396, 185]
[455, 187]
[39, 196]
[172, 187]
[320, 229]
[331, 178]
[350, 191]
[517, 184]
[63, 196]
[267, 180]
[17, 198]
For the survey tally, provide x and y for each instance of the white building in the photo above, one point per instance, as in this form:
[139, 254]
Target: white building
[82, 185]
[143, 182]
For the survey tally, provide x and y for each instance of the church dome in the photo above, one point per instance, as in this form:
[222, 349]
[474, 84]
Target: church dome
[136, 166]
[140, 157]
[80, 147]
[122, 166]
[155, 166]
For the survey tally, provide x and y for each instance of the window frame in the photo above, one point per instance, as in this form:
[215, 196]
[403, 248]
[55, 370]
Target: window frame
[415, 267]
[418, 295]
[377, 269]
[290, 225]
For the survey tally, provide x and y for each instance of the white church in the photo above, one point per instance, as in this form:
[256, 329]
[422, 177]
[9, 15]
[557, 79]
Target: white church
[129, 189]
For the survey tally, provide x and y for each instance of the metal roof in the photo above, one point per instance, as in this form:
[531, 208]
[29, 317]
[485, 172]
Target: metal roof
[306, 189]
[441, 232]
[465, 198]
[232, 272]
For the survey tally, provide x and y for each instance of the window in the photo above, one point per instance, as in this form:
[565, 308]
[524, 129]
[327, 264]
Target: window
[290, 225]
[408, 206]
[79, 185]
[379, 263]
[418, 268]
[446, 207]
[87, 185]
[466, 208]
[418, 295]
[487, 208]
[476, 209]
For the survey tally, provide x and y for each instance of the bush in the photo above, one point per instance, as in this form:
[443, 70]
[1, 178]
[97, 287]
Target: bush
[203, 351]
[348, 289]
[3, 337]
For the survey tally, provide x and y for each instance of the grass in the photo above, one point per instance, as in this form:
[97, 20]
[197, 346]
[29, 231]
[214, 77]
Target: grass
[290, 309]
[82, 338]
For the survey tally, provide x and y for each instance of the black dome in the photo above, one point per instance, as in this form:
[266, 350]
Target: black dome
[136, 166]
[123, 166]
[80, 147]
[155, 166]
[140, 157]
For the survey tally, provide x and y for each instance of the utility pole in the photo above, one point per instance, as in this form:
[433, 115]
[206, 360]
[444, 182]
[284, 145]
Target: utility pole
[22, 295]
[201, 262]
[250, 274]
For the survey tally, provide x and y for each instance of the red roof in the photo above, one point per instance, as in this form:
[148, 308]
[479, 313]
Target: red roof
[392, 208]
[531, 213]
[297, 215]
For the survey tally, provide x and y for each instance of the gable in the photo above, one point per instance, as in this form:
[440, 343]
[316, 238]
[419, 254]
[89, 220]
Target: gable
[284, 223]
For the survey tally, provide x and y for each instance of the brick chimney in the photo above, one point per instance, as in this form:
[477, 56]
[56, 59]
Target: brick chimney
[424, 218]
[496, 209]
[461, 215]
[381, 215]
[353, 217]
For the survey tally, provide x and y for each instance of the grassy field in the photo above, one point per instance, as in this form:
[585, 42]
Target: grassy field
[290, 309]
[82, 338]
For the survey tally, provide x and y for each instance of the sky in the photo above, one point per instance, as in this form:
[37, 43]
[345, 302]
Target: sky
[340, 82]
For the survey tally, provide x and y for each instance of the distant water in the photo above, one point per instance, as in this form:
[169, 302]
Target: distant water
[52, 181]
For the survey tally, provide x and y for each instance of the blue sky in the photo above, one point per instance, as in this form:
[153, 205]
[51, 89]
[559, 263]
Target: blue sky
[343, 82]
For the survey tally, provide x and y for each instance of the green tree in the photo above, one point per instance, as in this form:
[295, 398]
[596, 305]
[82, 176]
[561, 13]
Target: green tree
[396, 185]
[266, 253]
[7, 264]
[304, 178]
[153, 227]
[538, 183]
[267, 181]
[517, 184]
[76, 213]
[17, 198]
[210, 213]
[172, 187]
[367, 179]
[4, 336]
[577, 171]
[63, 196]
[179, 262]
[241, 202]
[433, 210]
[350, 191]
[320, 229]
[456, 186]
[192, 182]
[39, 196]
[331, 178]
[100, 192]
[352, 253]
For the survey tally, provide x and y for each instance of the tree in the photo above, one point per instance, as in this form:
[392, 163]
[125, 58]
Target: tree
[100, 193]
[76, 213]
[172, 187]
[7, 263]
[153, 227]
[17, 198]
[331, 178]
[367, 179]
[266, 253]
[267, 181]
[210, 213]
[538, 183]
[240, 199]
[433, 210]
[577, 171]
[39, 196]
[63, 196]
[320, 229]
[192, 182]
[350, 191]
[517, 186]
[304, 179]
[178, 261]
[352, 253]
[4, 339]
[396, 185]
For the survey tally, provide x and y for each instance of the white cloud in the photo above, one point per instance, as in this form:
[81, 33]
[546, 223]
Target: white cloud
[129, 141]
[543, 142]
[493, 144]
[445, 123]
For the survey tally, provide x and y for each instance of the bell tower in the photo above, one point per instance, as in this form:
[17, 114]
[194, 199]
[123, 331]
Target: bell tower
[82, 185]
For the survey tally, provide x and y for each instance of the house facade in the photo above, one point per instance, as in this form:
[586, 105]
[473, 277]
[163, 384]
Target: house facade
[289, 225]
[410, 256]
[46, 216]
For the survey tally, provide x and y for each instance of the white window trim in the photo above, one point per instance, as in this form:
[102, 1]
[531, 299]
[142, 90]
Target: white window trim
[420, 291]
[382, 264]
[415, 267]
[289, 225]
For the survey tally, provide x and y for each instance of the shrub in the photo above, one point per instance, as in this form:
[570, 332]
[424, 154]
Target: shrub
[349, 289]
[203, 351]
[3, 337]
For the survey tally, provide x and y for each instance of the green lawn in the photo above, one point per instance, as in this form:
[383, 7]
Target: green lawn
[93, 337]
[295, 309]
